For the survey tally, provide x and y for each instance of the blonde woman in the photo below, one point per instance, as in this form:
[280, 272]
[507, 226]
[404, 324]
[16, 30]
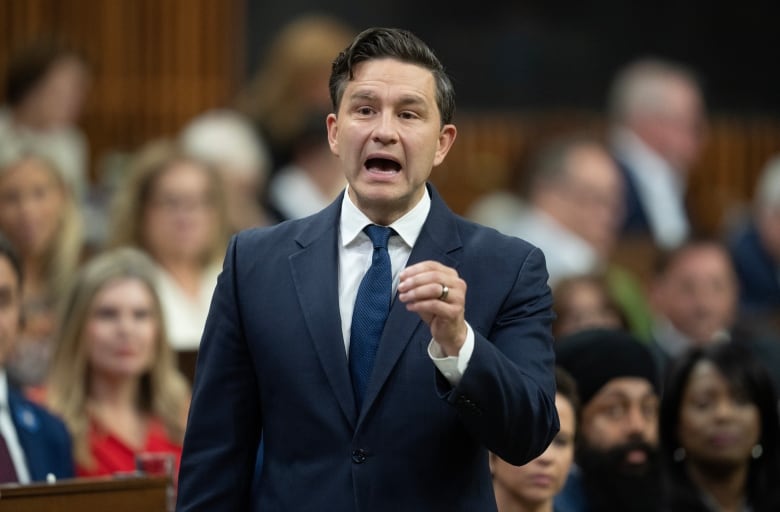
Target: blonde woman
[113, 379]
[292, 82]
[40, 217]
[172, 206]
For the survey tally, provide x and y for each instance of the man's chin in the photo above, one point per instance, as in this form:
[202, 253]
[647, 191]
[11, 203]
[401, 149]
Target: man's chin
[623, 478]
[634, 469]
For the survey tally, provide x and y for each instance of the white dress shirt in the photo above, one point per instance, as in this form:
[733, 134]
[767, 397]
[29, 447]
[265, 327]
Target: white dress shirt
[565, 253]
[661, 188]
[355, 253]
[294, 193]
[674, 342]
[8, 430]
[66, 147]
[185, 316]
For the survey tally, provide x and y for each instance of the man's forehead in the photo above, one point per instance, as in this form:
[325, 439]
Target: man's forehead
[628, 387]
[391, 69]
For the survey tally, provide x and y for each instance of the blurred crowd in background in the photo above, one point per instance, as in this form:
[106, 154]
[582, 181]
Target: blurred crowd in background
[667, 337]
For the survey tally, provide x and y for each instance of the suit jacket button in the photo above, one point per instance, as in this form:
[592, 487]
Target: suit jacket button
[359, 456]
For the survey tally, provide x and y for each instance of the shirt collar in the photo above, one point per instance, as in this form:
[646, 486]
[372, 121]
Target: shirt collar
[3, 389]
[408, 227]
[642, 160]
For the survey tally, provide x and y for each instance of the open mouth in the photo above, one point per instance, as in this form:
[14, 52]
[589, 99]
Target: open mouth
[382, 165]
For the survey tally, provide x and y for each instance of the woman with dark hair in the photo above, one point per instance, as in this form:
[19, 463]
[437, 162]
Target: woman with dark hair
[583, 301]
[719, 430]
[533, 486]
[46, 84]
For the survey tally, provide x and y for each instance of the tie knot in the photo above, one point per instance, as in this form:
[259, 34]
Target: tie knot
[378, 235]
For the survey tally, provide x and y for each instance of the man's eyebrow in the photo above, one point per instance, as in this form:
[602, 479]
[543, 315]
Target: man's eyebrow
[412, 99]
[407, 99]
[362, 95]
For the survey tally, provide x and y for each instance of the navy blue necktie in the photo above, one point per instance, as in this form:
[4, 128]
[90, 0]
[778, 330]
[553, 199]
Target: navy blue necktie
[371, 308]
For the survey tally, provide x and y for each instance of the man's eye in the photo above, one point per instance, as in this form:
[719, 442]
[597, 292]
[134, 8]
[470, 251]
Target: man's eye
[615, 411]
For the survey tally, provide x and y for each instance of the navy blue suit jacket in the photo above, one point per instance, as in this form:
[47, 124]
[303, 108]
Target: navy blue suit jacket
[272, 359]
[44, 439]
[635, 219]
[758, 275]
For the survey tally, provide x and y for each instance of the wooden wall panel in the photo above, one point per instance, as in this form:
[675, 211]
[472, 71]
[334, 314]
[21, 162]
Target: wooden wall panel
[156, 62]
[159, 62]
[490, 146]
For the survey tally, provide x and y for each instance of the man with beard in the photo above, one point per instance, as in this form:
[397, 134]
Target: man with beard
[616, 455]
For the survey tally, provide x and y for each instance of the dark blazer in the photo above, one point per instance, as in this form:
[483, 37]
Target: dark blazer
[44, 439]
[759, 282]
[635, 221]
[272, 360]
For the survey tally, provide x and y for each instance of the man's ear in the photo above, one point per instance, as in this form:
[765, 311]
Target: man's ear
[446, 139]
[332, 124]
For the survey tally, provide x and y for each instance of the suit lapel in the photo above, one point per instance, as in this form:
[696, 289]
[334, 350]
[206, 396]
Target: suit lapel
[315, 273]
[27, 425]
[439, 240]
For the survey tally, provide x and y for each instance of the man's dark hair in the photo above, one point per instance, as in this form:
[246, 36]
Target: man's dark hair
[549, 163]
[378, 43]
[666, 259]
[30, 64]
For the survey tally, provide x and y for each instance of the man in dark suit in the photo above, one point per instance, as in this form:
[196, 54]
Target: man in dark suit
[33, 443]
[754, 245]
[657, 117]
[365, 402]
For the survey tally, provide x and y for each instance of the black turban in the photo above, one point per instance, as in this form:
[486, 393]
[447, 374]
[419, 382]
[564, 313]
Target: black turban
[596, 356]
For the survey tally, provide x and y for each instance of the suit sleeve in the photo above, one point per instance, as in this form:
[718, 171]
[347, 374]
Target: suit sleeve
[225, 422]
[506, 397]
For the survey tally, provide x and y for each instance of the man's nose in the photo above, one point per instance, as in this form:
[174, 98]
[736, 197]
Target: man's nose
[386, 129]
[636, 421]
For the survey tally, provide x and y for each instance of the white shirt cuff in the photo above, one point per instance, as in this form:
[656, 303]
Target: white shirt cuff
[453, 367]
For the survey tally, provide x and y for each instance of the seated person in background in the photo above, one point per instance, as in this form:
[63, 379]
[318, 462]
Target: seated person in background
[227, 140]
[694, 296]
[719, 433]
[292, 80]
[39, 216]
[531, 488]
[312, 178]
[573, 196]
[45, 87]
[172, 206]
[657, 118]
[755, 249]
[616, 454]
[33, 443]
[497, 208]
[113, 378]
[573, 212]
[582, 302]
